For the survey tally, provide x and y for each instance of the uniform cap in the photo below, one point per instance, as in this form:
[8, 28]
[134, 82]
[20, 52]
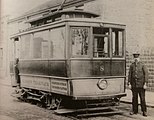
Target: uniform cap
[136, 54]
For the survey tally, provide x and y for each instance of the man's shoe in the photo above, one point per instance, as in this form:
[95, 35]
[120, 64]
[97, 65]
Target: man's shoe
[145, 114]
[132, 113]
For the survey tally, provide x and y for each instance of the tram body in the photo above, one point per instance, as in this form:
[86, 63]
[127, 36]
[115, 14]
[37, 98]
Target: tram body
[81, 59]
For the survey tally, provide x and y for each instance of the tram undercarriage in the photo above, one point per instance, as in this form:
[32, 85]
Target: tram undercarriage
[65, 105]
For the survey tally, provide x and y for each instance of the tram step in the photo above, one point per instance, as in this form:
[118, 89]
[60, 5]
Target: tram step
[99, 113]
[101, 104]
[64, 111]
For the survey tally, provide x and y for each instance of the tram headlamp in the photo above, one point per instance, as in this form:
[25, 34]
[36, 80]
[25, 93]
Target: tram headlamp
[102, 84]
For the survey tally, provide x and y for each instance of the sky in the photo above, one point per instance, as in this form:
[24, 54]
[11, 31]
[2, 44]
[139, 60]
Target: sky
[15, 8]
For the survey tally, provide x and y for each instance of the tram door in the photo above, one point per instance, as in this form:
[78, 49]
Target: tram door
[15, 54]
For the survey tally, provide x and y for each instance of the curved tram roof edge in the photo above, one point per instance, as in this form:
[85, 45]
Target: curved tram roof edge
[51, 25]
[63, 12]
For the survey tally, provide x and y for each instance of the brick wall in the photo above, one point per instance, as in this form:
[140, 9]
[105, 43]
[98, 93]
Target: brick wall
[147, 57]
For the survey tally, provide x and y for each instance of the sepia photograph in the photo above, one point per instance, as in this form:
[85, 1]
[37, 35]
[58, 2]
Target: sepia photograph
[76, 60]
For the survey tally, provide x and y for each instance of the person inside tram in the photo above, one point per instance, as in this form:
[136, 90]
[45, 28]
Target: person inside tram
[17, 77]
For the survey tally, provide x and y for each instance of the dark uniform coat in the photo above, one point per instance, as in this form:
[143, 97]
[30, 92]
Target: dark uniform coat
[138, 75]
[16, 70]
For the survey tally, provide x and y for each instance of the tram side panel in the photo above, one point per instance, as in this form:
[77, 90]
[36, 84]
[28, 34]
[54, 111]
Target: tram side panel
[52, 85]
[43, 67]
[46, 75]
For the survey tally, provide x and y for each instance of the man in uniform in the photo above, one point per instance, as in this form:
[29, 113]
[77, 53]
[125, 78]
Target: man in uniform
[137, 81]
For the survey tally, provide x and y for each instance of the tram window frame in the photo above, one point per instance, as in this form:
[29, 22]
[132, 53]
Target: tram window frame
[80, 54]
[39, 38]
[57, 43]
[117, 43]
[101, 32]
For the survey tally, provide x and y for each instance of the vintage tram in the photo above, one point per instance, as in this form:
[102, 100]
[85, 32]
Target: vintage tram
[71, 58]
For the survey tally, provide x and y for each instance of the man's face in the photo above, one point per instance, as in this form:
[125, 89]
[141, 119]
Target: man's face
[137, 59]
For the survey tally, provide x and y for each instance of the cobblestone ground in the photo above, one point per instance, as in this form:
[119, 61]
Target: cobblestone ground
[13, 109]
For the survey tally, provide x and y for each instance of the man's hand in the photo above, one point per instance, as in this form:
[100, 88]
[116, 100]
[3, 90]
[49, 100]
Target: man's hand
[129, 86]
[145, 86]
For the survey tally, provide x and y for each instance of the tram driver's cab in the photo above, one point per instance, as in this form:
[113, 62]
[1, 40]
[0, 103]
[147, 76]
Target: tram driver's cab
[106, 42]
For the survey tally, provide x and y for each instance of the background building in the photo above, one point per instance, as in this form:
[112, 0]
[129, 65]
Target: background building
[3, 47]
[137, 15]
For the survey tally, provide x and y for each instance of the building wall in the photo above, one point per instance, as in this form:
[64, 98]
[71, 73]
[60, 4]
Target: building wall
[3, 46]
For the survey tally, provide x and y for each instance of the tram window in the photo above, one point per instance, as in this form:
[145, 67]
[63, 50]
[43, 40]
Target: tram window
[101, 42]
[100, 30]
[117, 39]
[40, 44]
[45, 49]
[101, 46]
[79, 39]
[57, 40]
[25, 46]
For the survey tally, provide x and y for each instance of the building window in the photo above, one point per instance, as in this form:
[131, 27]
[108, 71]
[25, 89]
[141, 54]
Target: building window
[80, 41]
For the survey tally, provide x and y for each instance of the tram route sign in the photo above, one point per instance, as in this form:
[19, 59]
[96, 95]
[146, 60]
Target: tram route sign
[35, 83]
[59, 86]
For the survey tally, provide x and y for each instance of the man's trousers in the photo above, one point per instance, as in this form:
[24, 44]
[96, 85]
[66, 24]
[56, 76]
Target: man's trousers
[141, 93]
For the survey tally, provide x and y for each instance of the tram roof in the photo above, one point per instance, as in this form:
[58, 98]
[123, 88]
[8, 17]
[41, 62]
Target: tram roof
[64, 12]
